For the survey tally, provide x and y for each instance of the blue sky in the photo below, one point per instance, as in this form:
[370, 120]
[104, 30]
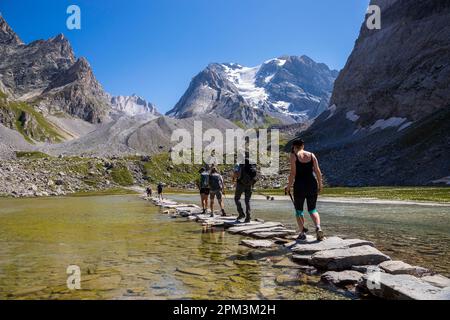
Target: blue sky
[154, 47]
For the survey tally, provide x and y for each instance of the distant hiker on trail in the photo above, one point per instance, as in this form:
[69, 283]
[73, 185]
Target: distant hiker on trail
[216, 189]
[149, 191]
[306, 186]
[245, 176]
[160, 191]
[203, 185]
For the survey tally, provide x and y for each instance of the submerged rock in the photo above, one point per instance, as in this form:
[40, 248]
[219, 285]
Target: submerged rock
[193, 271]
[344, 259]
[287, 280]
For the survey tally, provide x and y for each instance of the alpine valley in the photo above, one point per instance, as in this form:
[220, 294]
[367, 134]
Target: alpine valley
[382, 120]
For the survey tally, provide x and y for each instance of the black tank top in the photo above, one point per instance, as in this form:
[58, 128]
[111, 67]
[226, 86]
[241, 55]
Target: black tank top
[305, 182]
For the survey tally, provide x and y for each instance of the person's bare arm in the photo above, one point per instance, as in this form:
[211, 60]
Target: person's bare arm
[293, 172]
[317, 172]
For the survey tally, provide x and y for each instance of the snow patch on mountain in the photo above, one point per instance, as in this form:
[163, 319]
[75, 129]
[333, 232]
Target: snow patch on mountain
[244, 78]
[387, 123]
[133, 105]
[352, 116]
[279, 61]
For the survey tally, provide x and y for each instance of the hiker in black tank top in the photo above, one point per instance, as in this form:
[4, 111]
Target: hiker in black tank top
[306, 186]
[305, 182]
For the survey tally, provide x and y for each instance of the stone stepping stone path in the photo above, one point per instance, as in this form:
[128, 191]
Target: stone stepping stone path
[346, 263]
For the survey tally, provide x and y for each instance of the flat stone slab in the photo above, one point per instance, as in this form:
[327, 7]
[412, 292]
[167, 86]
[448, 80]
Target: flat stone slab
[312, 247]
[345, 259]
[437, 280]
[402, 287]
[257, 244]
[287, 263]
[216, 219]
[272, 234]
[253, 231]
[342, 278]
[367, 269]
[400, 267]
[253, 225]
[189, 209]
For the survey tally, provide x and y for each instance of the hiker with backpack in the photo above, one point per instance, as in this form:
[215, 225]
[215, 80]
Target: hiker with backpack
[217, 190]
[245, 176]
[149, 191]
[203, 185]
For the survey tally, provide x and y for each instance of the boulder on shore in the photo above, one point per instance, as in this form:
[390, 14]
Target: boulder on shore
[344, 259]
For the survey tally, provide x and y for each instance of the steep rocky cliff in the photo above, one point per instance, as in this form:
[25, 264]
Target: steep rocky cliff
[388, 120]
[44, 79]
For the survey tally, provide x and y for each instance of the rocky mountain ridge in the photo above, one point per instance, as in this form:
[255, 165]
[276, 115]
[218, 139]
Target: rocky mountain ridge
[133, 105]
[284, 90]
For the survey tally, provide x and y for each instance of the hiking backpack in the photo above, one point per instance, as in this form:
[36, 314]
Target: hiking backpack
[204, 180]
[215, 182]
[248, 174]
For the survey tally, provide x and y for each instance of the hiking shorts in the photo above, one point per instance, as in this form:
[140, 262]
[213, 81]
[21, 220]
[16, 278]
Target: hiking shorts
[217, 194]
[204, 191]
[299, 201]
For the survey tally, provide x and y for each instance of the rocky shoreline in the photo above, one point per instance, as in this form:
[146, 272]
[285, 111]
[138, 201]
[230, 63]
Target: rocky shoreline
[48, 176]
[347, 265]
[36, 174]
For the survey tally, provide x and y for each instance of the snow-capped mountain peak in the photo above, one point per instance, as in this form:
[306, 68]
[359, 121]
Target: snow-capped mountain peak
[133, 105]
[289, 89]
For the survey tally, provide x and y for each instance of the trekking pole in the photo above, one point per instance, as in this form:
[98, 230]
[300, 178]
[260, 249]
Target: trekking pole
[286, 192]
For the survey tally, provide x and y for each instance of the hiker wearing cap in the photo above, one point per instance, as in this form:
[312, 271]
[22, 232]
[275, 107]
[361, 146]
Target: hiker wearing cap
[307, 187]
[216, 189]
[245, 178]
[203, 185]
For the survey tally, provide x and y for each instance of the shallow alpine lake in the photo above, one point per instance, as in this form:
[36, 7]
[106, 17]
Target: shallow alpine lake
[126, 249]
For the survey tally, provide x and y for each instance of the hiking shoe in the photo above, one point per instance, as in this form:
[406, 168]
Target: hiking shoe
[301, 236]
[305, 230]
[223, 213]
[247, 220]
[319, 234]
[211, 215]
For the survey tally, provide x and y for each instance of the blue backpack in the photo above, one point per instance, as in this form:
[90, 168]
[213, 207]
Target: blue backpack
[204, 180]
